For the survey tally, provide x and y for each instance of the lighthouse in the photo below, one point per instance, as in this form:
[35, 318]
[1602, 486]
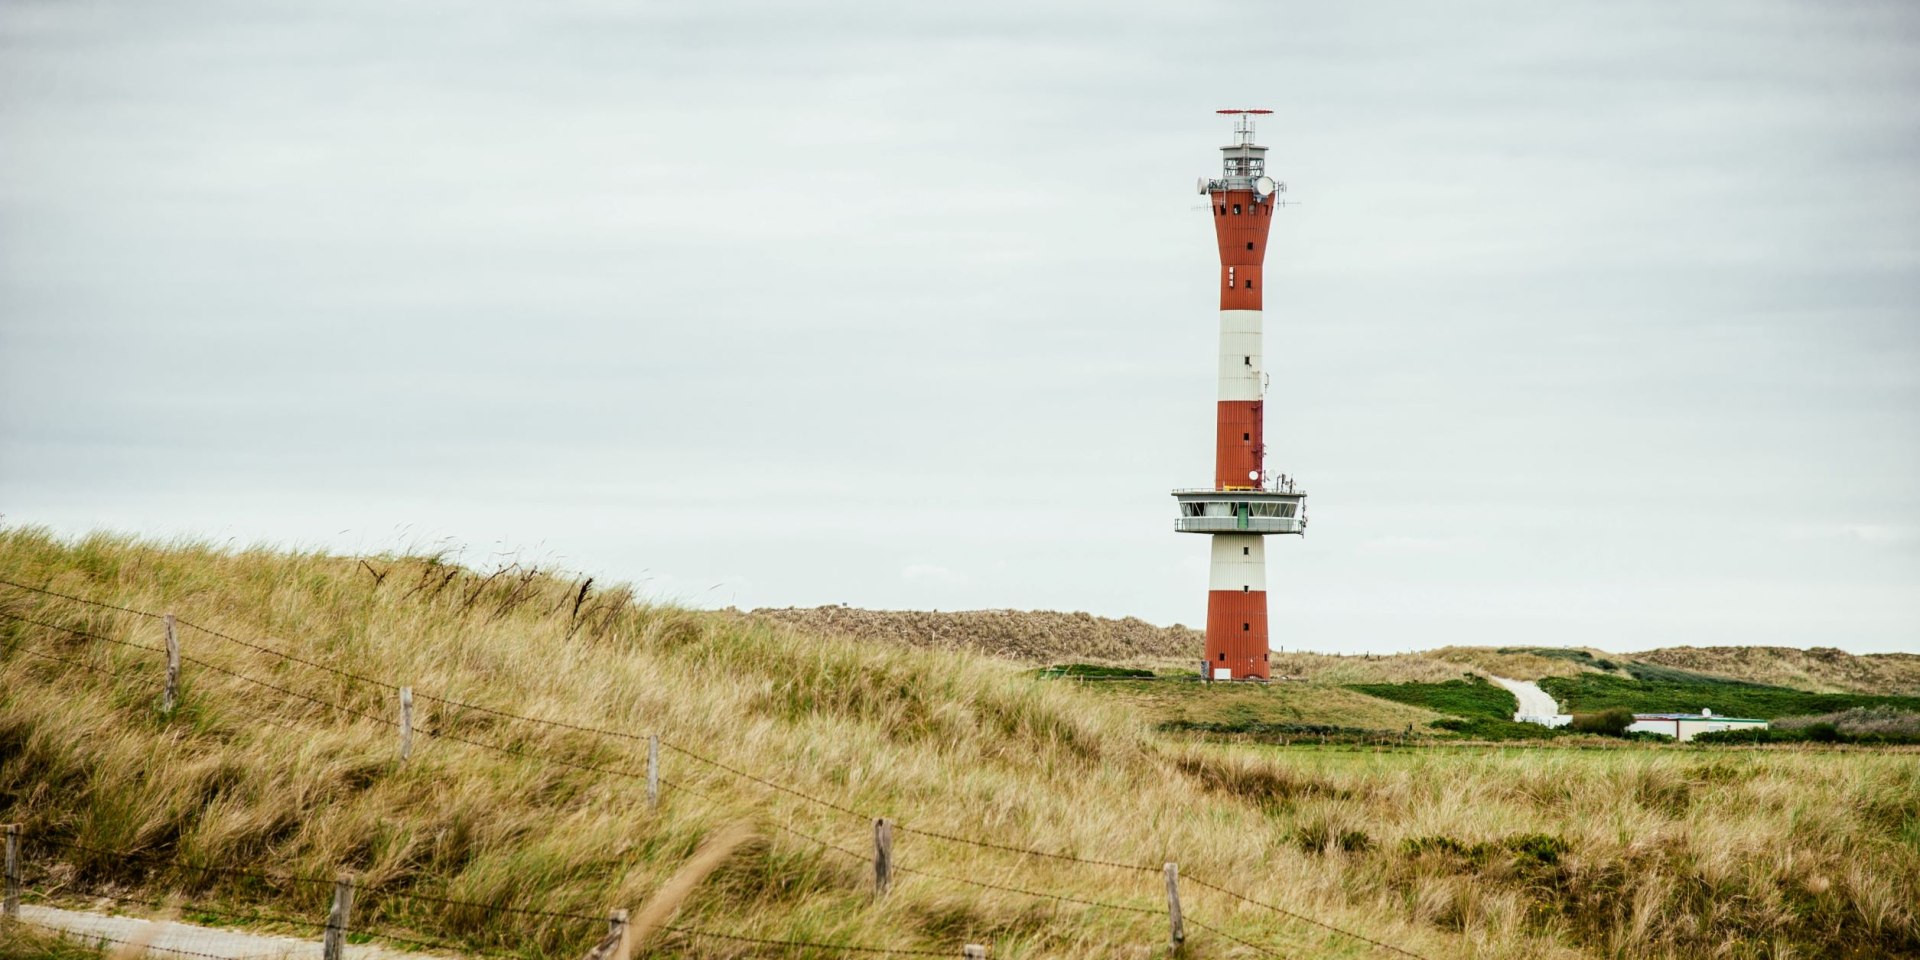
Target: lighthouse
[1244, 505]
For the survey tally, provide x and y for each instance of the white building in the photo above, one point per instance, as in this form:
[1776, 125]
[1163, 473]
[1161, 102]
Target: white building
[1686, 726]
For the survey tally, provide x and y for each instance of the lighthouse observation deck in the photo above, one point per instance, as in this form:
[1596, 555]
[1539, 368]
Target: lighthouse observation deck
[1254, 510]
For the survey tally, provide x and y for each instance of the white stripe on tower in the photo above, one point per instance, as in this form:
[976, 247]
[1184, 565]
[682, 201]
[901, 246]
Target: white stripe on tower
[1240, 362]
[1239, 563]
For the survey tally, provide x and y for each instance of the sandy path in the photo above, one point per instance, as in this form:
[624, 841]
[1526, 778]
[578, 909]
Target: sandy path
[184, 940]
[1534, 702]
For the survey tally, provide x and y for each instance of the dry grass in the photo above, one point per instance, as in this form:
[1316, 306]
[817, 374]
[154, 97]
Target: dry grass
[1666, 853]
[1279, 703]
[1820, 669]
[1029, 636]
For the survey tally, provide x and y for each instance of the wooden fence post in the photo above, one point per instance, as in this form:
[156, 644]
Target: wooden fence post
[406, 723]
[168, 698]
[653, 771]
[10, 907]
[334, 943]
[615, 945]
[973, 951]
[1176, 934]
[617, 930]
[882, 856]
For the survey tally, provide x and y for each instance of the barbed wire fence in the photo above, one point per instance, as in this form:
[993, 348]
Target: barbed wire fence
[880, 857]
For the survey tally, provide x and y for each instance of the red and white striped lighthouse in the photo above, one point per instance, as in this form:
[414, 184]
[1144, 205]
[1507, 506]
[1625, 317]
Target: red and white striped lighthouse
[1244, 505]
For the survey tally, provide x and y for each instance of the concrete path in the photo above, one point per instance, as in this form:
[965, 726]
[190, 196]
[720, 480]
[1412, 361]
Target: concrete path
[1534, 702]
[184, 940]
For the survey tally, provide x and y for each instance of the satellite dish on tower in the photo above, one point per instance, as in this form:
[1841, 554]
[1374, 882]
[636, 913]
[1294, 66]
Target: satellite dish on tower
[1263, 186]
[1203, 185]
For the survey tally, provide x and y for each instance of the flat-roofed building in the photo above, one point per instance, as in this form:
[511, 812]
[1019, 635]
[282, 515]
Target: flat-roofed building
[1686, 726]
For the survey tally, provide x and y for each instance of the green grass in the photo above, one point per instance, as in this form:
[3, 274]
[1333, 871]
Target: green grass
[1590, 692]
[1094, 671]
[1472, 696]
[1491, 728]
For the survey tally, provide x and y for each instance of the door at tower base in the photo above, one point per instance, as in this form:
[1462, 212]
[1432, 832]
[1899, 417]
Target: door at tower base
[1237, 633]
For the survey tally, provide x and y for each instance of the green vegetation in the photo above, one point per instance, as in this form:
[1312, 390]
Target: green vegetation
[1094, 671]
[1472, 696]
[1267, 731]
[1812, 733]
[1589, 692]
[1489, 728]
[1611, 722]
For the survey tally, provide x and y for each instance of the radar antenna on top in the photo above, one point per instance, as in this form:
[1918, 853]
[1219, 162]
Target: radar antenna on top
[1243, 127]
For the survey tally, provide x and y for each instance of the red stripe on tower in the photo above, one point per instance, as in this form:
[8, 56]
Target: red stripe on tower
[1243, 506]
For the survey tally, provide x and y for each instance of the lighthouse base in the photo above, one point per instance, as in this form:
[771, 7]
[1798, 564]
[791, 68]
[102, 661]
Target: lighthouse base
[1237, 608]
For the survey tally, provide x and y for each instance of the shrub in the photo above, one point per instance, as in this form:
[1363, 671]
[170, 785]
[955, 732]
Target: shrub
[1612, 722]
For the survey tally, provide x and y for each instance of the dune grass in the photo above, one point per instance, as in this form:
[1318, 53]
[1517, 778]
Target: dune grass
[1646, 853]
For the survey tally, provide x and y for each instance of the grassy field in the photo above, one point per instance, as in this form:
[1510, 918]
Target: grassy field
[1469, 696]
[1449, 853]
[1658, 690]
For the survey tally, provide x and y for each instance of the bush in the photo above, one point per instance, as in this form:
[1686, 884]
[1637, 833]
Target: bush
[1612, 722]
[1823, 733]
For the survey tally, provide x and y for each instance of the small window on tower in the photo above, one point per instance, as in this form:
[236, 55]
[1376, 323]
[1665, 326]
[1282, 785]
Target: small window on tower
[1249, 284]
[1244, 551]
[1223, 209]
[1236, 209]
[1246, 436]
[1246, 361]
[1244, 588]
[1246, 626]
[1223, 655]
[1249, 244]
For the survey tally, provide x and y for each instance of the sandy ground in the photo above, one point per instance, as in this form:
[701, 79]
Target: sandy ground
[1534, 702]
[189, 941]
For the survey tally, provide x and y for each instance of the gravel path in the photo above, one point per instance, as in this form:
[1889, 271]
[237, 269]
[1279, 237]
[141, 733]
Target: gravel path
[184, 940]
[1534, 702]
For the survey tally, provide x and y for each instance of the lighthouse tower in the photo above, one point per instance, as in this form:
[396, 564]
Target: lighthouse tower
[1244, 504]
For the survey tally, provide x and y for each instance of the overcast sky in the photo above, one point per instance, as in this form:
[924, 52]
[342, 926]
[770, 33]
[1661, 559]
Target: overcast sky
[1597, 323]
